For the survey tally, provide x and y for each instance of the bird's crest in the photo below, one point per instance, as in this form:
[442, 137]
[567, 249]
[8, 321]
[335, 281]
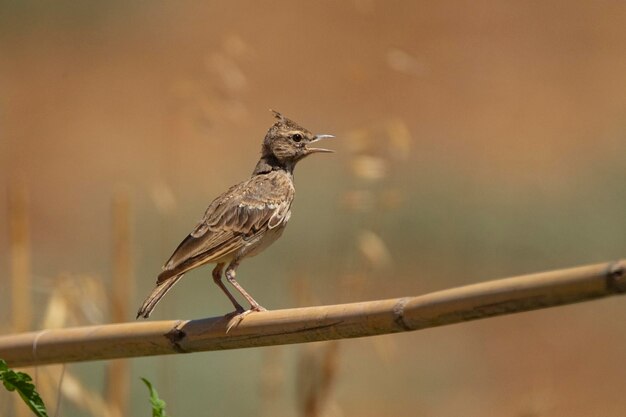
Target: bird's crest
[278, 115]
[284, 121]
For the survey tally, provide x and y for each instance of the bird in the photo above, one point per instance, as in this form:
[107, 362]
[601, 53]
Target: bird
[245, 219]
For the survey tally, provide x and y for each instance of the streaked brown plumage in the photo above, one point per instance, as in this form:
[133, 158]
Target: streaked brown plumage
[245, 219]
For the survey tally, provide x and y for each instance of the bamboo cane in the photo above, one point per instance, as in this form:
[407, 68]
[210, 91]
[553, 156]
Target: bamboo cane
[492, 298]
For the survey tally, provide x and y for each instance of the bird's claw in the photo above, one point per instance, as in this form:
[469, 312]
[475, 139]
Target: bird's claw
[237, 316]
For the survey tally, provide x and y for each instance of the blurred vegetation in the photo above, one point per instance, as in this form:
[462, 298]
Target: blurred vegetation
[475, 140]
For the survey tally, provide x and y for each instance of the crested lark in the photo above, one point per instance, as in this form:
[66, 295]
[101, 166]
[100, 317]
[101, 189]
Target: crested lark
[245, 219]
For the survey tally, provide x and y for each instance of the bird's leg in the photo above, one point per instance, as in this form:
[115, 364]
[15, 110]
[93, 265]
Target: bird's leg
[254, 306]
[230, 276]
[217, 278]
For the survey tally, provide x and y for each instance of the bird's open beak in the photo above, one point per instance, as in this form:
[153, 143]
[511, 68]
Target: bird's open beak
[315, 139]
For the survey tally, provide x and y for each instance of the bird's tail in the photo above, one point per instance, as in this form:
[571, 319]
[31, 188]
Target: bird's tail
[161, 289]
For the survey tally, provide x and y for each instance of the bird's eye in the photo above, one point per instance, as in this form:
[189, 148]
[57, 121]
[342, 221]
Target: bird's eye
[296, 137]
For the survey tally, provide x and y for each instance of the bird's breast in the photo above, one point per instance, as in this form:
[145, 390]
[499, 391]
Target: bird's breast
[266, 239]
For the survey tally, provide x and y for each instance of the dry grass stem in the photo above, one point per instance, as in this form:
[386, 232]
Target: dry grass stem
[19, 246]
[317, 371]
[118, 372]
[20, 255]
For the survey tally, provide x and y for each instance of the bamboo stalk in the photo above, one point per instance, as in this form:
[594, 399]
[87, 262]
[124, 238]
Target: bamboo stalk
[492, 298]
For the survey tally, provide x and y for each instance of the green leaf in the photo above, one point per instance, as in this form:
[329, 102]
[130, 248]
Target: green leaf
[22, 383]
[158, 405]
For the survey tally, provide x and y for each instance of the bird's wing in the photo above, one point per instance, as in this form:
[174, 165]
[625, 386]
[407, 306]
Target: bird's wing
[233, 219]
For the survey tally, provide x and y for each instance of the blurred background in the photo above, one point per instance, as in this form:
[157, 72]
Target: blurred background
[475, 140]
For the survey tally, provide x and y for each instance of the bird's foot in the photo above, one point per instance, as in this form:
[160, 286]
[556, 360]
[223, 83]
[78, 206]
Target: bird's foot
[237, 316]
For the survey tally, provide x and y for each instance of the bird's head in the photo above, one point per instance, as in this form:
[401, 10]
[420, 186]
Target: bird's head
[287, 142]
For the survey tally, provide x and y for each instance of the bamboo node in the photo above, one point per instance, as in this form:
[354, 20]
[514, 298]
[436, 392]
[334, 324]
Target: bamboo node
[616, 277]
[175, 336]
[398, 313]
